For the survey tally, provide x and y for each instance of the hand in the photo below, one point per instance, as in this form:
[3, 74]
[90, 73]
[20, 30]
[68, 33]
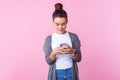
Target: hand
[67, 49]
[58, 50]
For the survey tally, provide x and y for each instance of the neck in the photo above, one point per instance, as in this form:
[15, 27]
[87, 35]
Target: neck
[60, 32]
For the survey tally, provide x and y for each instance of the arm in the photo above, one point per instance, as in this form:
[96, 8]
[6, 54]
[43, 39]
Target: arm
[76, 45]
[50, 55]
[47, 50]
[56, 51]
[75, 50]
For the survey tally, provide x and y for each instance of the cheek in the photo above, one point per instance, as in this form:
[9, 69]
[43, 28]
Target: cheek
[56, 27]
[64, 27]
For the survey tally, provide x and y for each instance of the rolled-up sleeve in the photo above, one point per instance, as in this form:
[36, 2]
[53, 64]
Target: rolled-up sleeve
[47, 50]
[76, 46]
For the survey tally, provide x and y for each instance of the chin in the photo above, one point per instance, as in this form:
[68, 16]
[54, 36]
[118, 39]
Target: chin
[62, 32]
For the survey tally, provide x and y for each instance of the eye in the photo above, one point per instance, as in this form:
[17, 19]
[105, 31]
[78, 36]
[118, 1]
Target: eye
[57, 24]
[63, 24]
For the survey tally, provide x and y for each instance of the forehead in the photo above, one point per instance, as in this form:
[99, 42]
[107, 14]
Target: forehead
[60, 20]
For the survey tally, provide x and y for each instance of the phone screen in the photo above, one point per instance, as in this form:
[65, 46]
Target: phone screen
[63, 44]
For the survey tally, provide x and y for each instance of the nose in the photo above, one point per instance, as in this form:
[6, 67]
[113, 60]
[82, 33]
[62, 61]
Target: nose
[60, 27]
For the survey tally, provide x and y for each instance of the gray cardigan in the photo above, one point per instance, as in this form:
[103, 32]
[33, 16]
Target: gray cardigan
[52, 64]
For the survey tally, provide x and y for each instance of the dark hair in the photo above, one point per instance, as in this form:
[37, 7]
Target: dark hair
[59, 12]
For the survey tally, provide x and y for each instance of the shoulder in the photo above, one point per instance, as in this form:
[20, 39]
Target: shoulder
[47, 41]
[48, 37]
[73, 34]
[74, 37]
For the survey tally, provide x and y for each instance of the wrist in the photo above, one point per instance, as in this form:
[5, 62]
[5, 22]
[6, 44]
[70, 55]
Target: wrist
[74, 52]
[53, 53]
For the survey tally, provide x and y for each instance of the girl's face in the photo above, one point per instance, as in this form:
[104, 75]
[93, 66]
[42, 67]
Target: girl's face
[60, 24]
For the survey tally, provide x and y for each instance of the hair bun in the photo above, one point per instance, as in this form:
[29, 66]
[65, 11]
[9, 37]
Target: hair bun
[58, 6]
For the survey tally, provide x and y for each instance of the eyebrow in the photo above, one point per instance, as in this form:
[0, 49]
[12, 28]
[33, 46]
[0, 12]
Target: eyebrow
[57, 23]
[61, 23]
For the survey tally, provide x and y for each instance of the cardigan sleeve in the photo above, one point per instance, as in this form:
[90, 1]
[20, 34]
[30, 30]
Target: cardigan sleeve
[47, 50]
[76, 46]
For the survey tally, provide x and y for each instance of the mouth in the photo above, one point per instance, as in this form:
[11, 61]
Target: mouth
[62, 31]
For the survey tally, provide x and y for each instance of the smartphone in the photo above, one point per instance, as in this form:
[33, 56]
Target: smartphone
[63, 44]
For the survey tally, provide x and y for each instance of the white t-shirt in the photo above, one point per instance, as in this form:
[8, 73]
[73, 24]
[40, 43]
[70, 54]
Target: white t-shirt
[63, 61]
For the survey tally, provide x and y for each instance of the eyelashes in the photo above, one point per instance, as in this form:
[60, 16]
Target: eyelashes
[60, 24]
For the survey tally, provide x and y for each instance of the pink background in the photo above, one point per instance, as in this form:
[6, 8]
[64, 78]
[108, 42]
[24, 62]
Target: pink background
[24, 24]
